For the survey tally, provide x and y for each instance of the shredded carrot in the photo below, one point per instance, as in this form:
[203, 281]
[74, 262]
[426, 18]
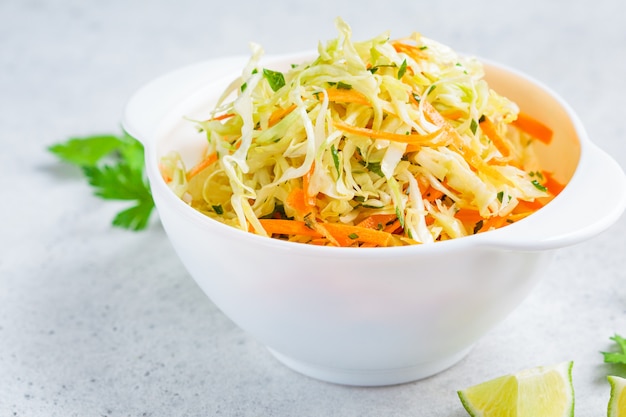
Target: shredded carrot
[344, 95]
[494, 222]
[489, 129]
[377, 221]
[413, 51]
[297, 200]
[533, 127]
[306, 181]
[223, 116]
[431, 112]
[201, 165]
[453, 114]
[432, 194]
[553, 186]
[345, 235]
[279, 114]
[166, 177]
[393, 227]
[288, 227]
[466, 215]
[528, 206]
[412, 138]
[412, 147]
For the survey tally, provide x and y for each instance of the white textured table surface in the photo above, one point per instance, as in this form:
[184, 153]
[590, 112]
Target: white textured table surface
[96, 321]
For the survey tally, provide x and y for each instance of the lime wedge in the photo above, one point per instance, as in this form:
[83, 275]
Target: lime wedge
[617, 402]
[544, 391]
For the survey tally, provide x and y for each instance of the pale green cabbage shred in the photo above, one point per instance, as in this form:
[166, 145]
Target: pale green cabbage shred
[354, 175]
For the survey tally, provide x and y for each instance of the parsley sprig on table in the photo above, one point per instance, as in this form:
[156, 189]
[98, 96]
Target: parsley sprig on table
[617, 357]
[114, 167]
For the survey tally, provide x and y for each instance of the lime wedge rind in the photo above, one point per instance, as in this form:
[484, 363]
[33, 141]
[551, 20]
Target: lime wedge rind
[617, 401]
[546, 391]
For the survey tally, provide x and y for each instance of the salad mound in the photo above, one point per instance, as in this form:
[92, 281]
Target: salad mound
[374, 143]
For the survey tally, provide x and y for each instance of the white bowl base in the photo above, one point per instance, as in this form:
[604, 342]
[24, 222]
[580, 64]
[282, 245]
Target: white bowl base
[370, 377]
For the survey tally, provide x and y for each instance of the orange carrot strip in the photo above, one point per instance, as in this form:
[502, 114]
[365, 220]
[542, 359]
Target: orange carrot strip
[453, 114]
[201, 165]
[223, 116]
[306, 181]
[431, 194]
[393, 227]
[278, 114]
[431, 112]
[343, 95]
[298, 201]
[553, 186]
[413, 51]
[528, 206]
[489, 129]
[379, 134]
[288, 227]
[466, 215]
[493, 222]
[412, 147]
[377, 221]
[345, 235]
[533, 127]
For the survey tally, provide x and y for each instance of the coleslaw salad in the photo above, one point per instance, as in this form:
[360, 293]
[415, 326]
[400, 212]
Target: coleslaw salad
[374, 143]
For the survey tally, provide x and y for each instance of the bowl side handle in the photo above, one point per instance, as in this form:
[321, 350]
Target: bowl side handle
[594, 199]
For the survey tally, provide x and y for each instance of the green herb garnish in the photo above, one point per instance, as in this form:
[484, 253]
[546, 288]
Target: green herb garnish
[114, 167]
[344, 86]
[538, 185]
[335, 155]
[402, 69]
[616, 357]
[473, 126]
[275, 79]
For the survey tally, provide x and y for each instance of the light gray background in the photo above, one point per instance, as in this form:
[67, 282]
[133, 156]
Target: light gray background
[96, 321]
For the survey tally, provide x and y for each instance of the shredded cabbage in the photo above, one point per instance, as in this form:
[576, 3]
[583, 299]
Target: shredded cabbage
[402, 136]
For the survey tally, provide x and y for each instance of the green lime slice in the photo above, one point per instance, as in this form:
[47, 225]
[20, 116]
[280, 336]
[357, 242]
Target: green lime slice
[545, 391]
[617, 402]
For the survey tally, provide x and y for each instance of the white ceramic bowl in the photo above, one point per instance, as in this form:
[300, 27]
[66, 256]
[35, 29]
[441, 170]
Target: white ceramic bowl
[372, 316]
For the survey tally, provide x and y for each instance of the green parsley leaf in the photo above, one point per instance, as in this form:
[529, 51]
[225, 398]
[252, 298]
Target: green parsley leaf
[616, 357]
[335, 155]
[538, 185]
[402, 69]
[500, 196]
[473, 126]
[373, 167]
[86, 151]
[135, 217]
[114, 167]
[343, 86]
[275, 79]
[353, 236]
